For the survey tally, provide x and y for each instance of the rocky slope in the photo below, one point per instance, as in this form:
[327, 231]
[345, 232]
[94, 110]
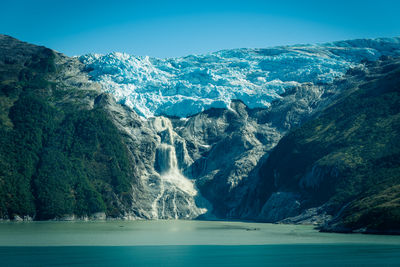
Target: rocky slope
[69, 149]
[341, 168]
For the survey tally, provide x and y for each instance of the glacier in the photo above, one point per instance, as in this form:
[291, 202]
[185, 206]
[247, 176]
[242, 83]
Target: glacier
[187, 85]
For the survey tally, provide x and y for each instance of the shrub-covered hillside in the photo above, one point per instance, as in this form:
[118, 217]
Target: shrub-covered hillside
[349, 157]
[55, 160]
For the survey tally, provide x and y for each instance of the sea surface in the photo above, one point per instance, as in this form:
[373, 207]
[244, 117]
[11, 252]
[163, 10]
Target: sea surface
[188, 243]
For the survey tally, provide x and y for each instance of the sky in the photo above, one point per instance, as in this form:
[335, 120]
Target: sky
[177, 28]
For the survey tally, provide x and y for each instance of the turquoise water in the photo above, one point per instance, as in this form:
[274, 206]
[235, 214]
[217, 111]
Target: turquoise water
[188, 243]
[248, 255]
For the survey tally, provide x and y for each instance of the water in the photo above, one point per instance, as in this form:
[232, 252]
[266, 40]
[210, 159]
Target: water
[188, 243]
[169, 170]
[176, 195]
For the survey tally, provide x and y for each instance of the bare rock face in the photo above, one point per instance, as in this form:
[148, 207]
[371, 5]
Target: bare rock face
[226, 147]
[280, 205]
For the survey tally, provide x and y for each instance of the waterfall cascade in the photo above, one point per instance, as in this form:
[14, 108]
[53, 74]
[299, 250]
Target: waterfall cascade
[168, 167]
[177, 194]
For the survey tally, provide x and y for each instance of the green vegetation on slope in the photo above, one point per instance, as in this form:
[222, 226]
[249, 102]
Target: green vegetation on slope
[349, 154]
[55, 162]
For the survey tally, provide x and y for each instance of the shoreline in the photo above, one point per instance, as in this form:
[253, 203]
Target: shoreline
[319, 228]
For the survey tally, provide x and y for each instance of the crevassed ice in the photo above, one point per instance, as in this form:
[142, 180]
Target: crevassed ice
[188, 85]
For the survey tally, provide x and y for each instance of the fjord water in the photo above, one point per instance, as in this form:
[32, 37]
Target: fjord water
[188, 243]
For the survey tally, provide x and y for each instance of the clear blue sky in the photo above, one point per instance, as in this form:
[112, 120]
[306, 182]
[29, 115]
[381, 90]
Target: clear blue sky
[176, 28]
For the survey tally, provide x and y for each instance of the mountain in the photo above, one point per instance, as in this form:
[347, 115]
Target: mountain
[291, 134]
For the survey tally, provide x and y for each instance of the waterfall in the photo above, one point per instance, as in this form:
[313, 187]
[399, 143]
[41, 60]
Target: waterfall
[173, 185]
[166, 156]
[168, 168]
[177, 196]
